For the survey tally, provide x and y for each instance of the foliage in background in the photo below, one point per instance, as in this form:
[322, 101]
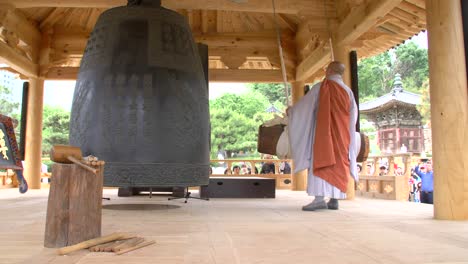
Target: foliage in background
[375, 77]
[234, 122]
[424, 106]
[55, 127]
[274, 92]
[376, 74]
[7, 107]
[412, 64]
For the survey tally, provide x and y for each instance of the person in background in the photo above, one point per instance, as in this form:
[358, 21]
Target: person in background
[285, 168]
[268, 167]
[236, 170]
[424, 171]
[383, 171]
[403, 148]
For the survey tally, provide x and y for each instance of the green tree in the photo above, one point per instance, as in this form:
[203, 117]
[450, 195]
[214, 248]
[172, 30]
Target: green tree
[375, 76]
[412, 63]
[235, 120]
[274, 92]
[7, 106]
[424, 106]
[55, 127]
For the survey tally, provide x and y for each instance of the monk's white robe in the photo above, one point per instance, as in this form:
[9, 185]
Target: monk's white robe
[302, 123]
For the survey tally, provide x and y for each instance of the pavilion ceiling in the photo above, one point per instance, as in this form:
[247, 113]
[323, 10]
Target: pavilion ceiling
[48, 37]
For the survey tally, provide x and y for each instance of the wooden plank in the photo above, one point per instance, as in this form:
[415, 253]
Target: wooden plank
[415, 10]
[362, 18]
[282, 6]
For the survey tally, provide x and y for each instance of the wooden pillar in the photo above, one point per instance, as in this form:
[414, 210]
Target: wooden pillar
[341, 54]
[299, 179]
[449, 109]
[464, 6]
[34, 133]
[355, 83]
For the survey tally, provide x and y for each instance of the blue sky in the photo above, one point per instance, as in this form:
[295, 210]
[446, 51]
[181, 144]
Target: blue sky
[60, 93]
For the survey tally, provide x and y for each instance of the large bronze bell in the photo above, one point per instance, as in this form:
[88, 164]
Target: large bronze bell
[141, 99]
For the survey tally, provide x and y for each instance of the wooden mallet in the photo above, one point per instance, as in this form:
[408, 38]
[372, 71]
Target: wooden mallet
[69, 154]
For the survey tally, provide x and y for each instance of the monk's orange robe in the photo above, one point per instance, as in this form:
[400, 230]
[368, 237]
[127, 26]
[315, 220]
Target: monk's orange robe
[332, 137]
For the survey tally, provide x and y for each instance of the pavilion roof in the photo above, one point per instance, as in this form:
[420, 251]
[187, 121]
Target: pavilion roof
[241, 35]
[397, 96]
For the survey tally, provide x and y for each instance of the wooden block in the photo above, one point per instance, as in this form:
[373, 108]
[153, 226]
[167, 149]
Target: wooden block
[74, 206]
[236, 187]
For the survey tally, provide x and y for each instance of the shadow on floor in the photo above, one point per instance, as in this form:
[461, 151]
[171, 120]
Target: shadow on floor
[135, 207]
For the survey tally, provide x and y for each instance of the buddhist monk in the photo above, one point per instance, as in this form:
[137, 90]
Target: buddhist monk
[322, 138]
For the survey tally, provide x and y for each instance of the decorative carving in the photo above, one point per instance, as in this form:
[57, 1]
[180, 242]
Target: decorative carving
[388, 188]
[154, 174]
[373, 187]
[360, 186]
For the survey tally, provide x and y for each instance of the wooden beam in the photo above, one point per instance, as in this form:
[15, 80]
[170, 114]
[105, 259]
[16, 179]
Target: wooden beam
[216, 75]
[362, 18]
[418, 3]
[72, 42]
[62, 73]
[245, 76]
[312, 63]
[288, 23]
[282, 6]
[53, 17]
[16, 61]
[14, 21]
[245, 39]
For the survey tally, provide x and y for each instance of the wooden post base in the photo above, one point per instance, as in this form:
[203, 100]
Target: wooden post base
[74, 206]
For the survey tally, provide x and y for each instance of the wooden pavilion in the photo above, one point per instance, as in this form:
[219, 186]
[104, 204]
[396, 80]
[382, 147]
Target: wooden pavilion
[45, 39]
[397, 120]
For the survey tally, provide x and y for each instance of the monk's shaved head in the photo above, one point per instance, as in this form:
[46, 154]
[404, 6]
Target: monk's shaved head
[335, 67]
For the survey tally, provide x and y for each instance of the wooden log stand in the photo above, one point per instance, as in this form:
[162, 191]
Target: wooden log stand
[74, 206]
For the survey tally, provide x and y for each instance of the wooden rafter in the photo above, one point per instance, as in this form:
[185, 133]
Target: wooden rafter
[362, 18]
[16, 61]
[53, 17]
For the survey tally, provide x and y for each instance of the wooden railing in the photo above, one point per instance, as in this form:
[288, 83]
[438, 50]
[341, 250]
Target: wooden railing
[8, 179]
[283, 181]
[392, 185]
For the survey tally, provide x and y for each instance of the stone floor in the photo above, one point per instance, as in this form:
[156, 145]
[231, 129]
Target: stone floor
[244, 231]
